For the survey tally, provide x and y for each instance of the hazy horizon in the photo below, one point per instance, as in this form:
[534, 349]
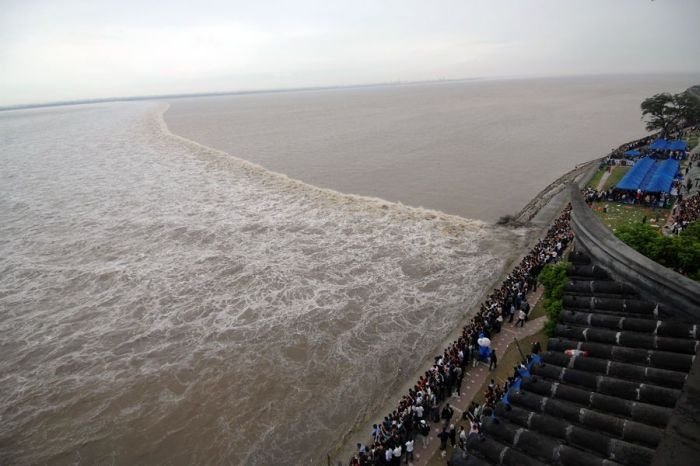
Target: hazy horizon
[214, 93]
[68, 50]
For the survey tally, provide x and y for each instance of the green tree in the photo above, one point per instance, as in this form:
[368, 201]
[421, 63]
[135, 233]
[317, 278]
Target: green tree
[640, 237]
[681, 252]
[688, 105]
[671, 112]
[693, 231]
[687, 253]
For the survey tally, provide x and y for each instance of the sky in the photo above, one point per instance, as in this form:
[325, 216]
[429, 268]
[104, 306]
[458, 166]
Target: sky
[68, 50]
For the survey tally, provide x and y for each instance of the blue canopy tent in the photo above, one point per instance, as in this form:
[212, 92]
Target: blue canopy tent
[633, 178]
[648, 176]
[659, 144]
[678, 144]
[663, 144]
[633, 153]
[662, 179]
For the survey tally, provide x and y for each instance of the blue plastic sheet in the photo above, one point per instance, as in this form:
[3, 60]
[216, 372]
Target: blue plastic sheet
[634, 177]
[663, 144]
[677, 145]
[659, 144]
[662, 180]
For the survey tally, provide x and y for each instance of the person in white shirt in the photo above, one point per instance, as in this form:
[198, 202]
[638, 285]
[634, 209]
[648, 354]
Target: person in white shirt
[462, 436]
[419, 412]
[397, 455]
[388, 455]
[409, 451]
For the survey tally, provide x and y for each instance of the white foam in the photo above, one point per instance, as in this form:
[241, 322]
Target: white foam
[154, 291]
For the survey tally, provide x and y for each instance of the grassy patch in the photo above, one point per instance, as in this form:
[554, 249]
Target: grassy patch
[537, 310]
[596, 179]
[615, 177]
[693, 141]
[619, 215]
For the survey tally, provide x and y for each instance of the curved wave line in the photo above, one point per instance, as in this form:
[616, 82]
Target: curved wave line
[344, 198]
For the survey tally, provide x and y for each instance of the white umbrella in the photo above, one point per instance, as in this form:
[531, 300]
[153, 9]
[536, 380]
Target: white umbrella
[483, 341]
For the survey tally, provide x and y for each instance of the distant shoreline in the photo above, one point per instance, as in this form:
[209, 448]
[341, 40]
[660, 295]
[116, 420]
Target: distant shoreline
[229, 93]
[186, 95]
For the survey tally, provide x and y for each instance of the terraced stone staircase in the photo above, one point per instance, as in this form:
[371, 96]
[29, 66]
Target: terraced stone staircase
[609, 402]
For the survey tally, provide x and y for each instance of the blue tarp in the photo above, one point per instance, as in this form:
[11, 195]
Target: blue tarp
[633, 178]
[633, 153]
[650, 176]
[659, 144]
[522, 374]
[663, 144]
[677, 145]
[662, 179]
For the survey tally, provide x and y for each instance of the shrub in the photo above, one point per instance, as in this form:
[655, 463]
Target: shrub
[640, 237]
[681, 253]
[553, 278]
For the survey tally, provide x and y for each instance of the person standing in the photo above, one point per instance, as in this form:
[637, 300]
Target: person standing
[419, 412]
[521, 318]
[443, 436]
[462, 437]
[453, 435]
[460, 378]
[409, 451]
[447, 413]
[424, 430]
[388, 455]
[396, 460]
[493, 362]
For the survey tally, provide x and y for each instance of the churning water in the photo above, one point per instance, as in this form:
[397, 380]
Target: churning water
[163, 303]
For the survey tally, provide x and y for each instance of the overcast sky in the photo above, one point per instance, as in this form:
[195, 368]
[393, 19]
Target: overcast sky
[64, 50]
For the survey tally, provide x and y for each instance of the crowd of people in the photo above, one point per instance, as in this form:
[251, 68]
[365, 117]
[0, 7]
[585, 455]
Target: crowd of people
[638, 144]
[395, 438]
[619, 153]
[686, 209]
[685, 212]
[656, 200]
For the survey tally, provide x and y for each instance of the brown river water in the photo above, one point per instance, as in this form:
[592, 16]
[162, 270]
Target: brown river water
[163, 302]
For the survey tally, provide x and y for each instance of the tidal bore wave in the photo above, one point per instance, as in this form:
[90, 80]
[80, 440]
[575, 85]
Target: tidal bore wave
[164, 302]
